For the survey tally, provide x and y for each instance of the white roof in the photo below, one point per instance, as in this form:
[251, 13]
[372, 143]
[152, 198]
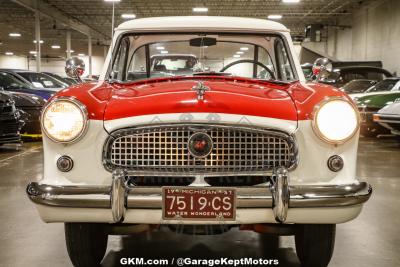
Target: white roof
[201, 23]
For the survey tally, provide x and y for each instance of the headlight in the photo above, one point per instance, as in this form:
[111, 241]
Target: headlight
[64, 120]
[335, 120]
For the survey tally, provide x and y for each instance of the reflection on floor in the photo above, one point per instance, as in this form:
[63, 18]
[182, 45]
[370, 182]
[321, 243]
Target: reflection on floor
[372, 239]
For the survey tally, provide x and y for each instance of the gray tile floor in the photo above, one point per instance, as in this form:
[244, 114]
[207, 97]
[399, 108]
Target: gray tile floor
[373, 239]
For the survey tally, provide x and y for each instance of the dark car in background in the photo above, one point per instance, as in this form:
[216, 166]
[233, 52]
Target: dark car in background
[10, 82]
[342, 75]
[10, 120]
[66, 80]
[29, 104]
[30, 107]
[357, 86]
[44, 84]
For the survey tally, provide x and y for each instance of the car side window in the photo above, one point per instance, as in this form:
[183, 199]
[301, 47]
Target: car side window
[285, 71]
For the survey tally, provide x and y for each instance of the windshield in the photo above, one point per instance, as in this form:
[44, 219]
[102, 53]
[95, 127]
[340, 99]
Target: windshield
[8, 81]
[385, 85]
[357, 86]
[141, 57]
[40, 80]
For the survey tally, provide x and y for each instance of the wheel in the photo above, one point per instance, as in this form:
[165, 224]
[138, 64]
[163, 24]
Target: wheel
[314, 244]
[86, 243]
[269, 243]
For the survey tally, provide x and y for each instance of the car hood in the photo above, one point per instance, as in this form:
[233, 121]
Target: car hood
[27, 100]
[377, 100]
[391, 109]
[358, 95]
[224, 96]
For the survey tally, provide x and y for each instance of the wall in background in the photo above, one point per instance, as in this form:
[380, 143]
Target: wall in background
[53, 65]
[374, 35]
[13, 62]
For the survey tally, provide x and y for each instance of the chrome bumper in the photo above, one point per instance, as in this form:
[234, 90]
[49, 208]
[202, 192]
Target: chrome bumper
[279, 196]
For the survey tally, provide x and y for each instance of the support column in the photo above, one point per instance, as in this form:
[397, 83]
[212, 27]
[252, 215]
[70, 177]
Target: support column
[90, 55]
[37, 37]
[68, 44]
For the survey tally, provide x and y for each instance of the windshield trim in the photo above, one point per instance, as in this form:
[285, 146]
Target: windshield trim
[117, 46]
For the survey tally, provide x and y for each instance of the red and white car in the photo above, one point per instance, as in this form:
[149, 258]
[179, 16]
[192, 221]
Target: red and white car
[243, 141]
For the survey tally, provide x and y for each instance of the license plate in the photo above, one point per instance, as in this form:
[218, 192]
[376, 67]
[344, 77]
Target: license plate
[199, 203]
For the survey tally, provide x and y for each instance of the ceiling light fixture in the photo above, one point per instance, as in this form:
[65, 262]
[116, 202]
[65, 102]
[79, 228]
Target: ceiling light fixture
[164, 52]
[41, 41]
[244, 48]
[32, 52]
[55, 46]
[128, 16]
[236, 55]
[81, 55]
[160, 47]
[290, 1]
[240, 52]
[9, 53]
[112, 0]
[274, 16]
[71, 51]
[14, 34]
[200, 9]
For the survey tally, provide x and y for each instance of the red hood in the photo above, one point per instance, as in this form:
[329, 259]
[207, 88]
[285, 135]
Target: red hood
[177, 96]
[232, 95]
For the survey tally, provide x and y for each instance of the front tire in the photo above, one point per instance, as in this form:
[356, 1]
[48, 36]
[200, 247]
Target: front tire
[269, 243]
[86, 243]
[315, 244]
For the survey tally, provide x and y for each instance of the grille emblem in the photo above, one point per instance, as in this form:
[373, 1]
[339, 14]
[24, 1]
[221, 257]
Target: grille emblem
[200, 145]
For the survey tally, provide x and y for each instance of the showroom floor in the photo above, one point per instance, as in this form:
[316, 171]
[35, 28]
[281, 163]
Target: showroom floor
[373, 239]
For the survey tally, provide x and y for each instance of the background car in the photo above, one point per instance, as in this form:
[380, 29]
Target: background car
[67, 81]
[387, 85]
[10, 120]
[357, 86]
[342, 75]
[39, 81]
[371, 104]
[307, 70]
[11, 82]
[30, 107]
[389, 117]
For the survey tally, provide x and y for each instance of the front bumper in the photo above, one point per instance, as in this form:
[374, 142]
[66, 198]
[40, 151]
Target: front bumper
[279, 196]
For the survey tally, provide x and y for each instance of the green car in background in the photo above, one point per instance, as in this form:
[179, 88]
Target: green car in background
[371, 104]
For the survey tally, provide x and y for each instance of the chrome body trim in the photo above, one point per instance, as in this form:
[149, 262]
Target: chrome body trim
[307, 196]
[182, 170]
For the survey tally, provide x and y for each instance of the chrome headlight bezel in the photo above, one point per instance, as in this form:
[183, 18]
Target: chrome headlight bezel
[85, 117]
[317, 109]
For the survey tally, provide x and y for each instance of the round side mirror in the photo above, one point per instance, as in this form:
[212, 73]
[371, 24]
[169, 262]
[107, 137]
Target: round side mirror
[322, 66]
[74, 68]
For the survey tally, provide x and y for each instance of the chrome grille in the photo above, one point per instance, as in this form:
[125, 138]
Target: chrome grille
[164, 149]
